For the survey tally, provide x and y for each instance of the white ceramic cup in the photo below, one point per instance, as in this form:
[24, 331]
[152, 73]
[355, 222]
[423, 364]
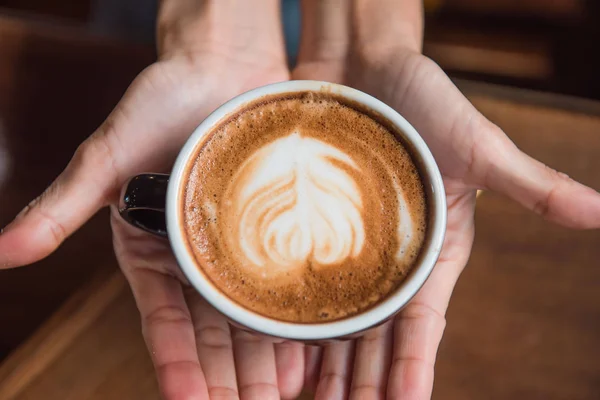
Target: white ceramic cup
[143, 205]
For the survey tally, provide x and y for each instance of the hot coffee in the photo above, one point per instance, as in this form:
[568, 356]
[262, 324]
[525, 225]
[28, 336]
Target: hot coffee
[304, 207]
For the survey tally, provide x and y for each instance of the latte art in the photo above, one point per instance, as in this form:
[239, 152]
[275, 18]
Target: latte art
[304, 208]
[296, 203]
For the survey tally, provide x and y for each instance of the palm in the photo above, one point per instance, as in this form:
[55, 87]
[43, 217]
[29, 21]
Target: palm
[434, 122]
[170, 310]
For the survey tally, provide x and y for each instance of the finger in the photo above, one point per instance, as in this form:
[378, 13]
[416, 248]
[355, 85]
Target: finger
[541, 189]
[289, 361]
[215, 349]
[169, 334]
[418, 329]
[255, 366]
[313, 356]
[325, 40]
[77, 194]
[417, 334]
[334, 381]
[372, 364]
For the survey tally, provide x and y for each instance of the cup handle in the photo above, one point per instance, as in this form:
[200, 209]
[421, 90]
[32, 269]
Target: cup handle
[142, 203]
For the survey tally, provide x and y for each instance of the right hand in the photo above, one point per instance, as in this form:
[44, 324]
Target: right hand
[210, 51]
[375, 46]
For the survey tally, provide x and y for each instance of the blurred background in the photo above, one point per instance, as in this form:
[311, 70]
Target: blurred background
[543, 44]
[525, 320]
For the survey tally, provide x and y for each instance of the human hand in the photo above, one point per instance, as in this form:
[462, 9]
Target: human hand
[377, 48]
[210, 51]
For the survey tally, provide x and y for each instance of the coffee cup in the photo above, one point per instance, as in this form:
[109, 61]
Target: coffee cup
[153, 202]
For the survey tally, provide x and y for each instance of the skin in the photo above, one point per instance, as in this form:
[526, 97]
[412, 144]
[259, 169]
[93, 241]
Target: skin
[211, 51]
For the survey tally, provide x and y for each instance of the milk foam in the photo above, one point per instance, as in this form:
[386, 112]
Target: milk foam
[296, 204]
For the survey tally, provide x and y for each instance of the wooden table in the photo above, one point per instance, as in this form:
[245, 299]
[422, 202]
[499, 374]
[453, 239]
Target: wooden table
[524, 322]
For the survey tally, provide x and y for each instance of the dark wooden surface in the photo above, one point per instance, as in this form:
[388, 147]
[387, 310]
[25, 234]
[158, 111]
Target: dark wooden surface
[524, 322]
[56, 87]
[91, 349]
[66, 10]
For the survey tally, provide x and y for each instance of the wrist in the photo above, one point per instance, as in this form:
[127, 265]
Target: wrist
[384, 26]
[182, 26]
[218, 26]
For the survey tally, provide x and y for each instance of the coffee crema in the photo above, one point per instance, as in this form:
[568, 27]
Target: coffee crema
[304, 207]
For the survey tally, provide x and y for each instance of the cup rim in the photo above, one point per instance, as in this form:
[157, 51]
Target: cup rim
[303, 331]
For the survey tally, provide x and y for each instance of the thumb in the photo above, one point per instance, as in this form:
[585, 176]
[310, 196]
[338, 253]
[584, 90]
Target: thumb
[538, 187]
[77, 194]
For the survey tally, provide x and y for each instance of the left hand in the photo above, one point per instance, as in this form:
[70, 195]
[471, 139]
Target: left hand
[209, 51]
[376, 47]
